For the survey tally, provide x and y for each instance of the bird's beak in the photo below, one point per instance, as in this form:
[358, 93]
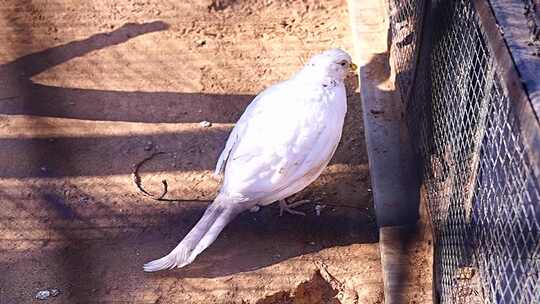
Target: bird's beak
[354, 67]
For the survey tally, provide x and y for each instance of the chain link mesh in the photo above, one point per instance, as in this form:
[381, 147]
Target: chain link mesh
[479, 182]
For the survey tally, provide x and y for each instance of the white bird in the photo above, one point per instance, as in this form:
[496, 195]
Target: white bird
[280, 145]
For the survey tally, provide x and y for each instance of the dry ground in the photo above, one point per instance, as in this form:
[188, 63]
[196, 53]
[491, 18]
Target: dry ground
[90, 88]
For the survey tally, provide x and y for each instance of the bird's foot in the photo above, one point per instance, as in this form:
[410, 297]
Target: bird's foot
[283, 206]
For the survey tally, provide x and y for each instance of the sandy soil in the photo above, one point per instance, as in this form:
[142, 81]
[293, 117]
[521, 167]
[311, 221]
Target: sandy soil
[89, 89]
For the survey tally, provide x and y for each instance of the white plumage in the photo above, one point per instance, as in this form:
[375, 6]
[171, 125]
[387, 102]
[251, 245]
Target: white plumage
[280, 145]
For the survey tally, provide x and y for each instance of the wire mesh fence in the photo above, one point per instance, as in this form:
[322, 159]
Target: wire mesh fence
[480, 176]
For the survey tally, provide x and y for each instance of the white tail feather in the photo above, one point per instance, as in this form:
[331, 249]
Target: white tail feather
[205, 232]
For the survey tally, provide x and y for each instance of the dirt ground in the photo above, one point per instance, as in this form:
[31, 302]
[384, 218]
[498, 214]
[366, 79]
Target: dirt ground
[89, 89]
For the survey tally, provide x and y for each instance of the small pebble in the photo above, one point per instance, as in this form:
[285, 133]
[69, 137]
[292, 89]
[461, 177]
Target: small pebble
[200, 42]
[205, 124]
[149, 146]
[255, 209]
[45, 294]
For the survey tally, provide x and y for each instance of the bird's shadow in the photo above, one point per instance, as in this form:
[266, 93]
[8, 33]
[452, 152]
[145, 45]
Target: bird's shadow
[264, 238]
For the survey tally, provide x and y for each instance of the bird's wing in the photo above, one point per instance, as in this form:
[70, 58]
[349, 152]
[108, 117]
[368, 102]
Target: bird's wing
[252, 110]
[281, 138]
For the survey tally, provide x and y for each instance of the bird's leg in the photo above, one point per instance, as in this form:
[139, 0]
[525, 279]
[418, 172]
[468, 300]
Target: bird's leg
[283, 206]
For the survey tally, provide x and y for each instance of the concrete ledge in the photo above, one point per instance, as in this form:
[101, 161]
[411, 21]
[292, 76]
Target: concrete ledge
[391, 161]
[405, 244]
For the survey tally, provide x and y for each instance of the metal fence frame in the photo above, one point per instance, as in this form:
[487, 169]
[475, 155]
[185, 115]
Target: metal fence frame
[474, 127]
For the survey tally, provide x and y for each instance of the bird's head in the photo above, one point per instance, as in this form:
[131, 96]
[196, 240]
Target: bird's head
[333, 64]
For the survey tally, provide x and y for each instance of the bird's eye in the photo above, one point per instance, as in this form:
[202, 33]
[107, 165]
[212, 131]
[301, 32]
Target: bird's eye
[343, 63]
